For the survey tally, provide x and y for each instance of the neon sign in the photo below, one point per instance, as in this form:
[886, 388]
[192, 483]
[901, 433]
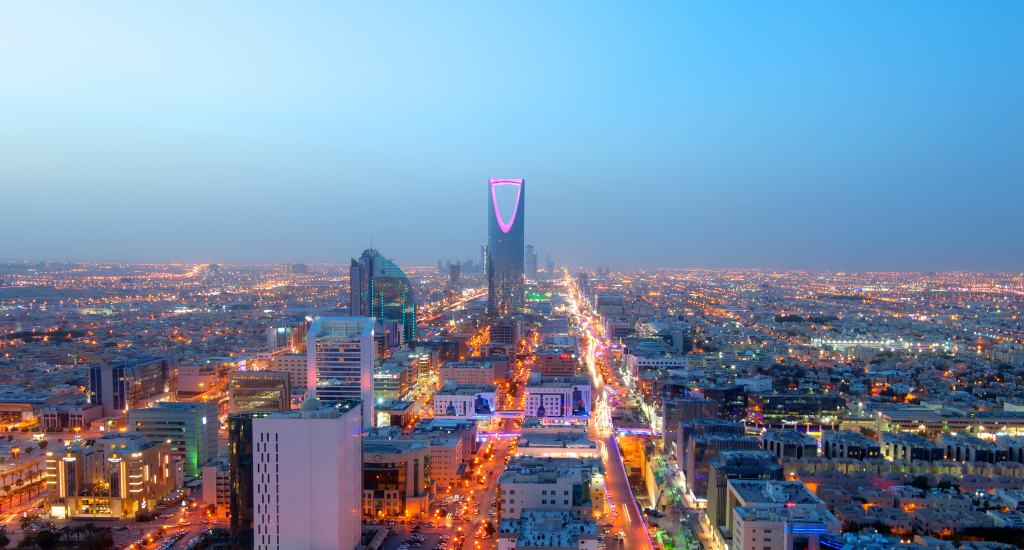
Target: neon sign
[494, 200]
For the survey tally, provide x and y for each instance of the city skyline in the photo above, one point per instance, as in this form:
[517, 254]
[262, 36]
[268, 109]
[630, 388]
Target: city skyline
[874, 137]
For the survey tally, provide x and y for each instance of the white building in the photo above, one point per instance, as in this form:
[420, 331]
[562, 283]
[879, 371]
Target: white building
[760, 528]
[465, 401]
[563, 397]
[307, 477]
[339, 361]
[295, 364]
[547, 484]
[547, 529]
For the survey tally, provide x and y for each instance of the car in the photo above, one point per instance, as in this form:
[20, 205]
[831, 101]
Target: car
[622, 534]
[205, 522]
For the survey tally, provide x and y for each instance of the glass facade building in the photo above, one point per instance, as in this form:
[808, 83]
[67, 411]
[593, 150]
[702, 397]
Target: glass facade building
[379, 288]
[505, 246]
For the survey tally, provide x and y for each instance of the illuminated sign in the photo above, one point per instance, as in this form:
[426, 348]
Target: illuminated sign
[494, 199]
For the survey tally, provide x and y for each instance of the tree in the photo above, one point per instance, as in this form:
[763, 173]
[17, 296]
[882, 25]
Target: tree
[101, 539]
[4, 541]
[43, 444]
[46, 540]
[921, 482]
[945, 484]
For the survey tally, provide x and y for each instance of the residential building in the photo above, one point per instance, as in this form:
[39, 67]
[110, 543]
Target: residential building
[556, 362]
[763, 528]
[216, 489]
[910, 447]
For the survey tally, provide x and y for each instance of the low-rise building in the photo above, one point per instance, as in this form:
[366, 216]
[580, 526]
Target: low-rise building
[295, 365]
[562, 397]
[533, 483]
[844, 444]
[909, 447]
[469, 373]
[791, 443]
[259, 391]
[397, 478]
[113, 477]
[465, 401]
[465, 429]
[763, 528]
[544, 528]
[217, 485]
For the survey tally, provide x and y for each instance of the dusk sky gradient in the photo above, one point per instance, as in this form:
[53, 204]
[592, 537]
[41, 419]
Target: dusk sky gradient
[798, 135]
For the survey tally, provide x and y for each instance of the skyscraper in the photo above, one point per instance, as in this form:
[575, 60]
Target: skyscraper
[339, 361]
[379, 288]
[505, 245]
[531, 262]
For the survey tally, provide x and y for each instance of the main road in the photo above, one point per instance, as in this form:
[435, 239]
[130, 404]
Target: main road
[627, 518]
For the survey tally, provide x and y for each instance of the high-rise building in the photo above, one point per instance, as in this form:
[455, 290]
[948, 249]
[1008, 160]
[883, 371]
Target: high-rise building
[123, 384]
[454, 276]
[339, 361]
[307, 488]
[531, 262]
[379, 288]
[191, 429]
[287, 334]
[505, 245]
[240, 473]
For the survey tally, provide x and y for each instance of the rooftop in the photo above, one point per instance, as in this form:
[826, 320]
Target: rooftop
[467, 389]
[778, 492]
[548, 529]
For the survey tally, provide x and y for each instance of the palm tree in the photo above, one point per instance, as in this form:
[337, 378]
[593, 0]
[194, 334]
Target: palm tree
[7, 493]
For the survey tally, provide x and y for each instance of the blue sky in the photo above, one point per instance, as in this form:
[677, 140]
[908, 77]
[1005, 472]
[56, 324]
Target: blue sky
[852, 136]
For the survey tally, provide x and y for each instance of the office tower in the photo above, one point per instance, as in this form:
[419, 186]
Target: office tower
[504, 331]
[191, 429]
[505, 246]
[339, 361]
[379, 288]
[259, 391]
[123, 384]
[454, 284]
[307, 489]
[531, 262]
[440, 270]
[469, 266]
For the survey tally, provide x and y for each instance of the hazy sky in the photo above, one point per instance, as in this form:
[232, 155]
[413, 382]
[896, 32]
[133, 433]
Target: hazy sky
[862, 135]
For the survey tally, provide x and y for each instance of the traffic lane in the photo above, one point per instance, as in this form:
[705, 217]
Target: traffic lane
[628, 518]
[431, 534]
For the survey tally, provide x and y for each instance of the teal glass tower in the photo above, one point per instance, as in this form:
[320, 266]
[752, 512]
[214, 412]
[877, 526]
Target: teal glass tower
[505, 246]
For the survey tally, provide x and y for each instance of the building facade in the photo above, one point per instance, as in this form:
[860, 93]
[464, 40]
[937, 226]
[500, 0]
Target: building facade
[340, 354]
[124, 384]
[379, 288]
[306, 477]
[256, 391]
[561, 397]
[505, 245]
[191, 429]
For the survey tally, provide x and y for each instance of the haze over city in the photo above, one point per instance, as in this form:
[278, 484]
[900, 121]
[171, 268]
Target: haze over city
[531, 276]
[846, 137]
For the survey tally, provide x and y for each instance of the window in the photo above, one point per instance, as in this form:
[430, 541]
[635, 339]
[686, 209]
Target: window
[512, 492]
[566, 493]
[543, 492]
[543, 502]
[512, 501]
[565, 502]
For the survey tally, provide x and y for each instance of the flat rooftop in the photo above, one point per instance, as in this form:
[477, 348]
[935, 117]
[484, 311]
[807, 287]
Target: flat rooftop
[468, 389]
[548, 528]
[778, 492]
